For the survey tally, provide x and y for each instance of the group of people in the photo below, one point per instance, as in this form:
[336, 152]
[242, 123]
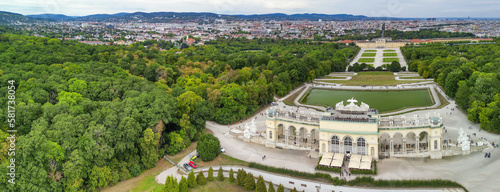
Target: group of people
[487, 154]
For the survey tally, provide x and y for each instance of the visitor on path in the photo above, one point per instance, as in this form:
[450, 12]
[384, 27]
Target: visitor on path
[485, 155]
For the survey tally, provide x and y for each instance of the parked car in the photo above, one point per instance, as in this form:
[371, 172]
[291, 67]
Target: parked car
[188, 168]
[192, 164]
[222, 150]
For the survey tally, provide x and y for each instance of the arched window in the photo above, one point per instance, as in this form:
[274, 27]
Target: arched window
[361, 146]
[347, 145]
[335, 140]
[270, 134]
[435, 144]
[334, 144]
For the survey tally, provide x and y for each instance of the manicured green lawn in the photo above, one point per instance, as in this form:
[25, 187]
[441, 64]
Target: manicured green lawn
[390, 60]
[372, 78]
[390, 54]
[366, 60]
[383, 101]
[370, 50]
[368, 54]
[389, 50]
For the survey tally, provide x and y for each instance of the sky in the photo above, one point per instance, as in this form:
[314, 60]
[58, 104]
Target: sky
[372, 8]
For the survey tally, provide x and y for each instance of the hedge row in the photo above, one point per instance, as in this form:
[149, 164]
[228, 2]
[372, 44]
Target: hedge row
[367, 180]
[323, 168]
[366, 172]
[360, 181]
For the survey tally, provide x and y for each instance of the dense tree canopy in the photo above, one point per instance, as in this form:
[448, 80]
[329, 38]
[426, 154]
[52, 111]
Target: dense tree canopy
[468, 73]
[102, 114]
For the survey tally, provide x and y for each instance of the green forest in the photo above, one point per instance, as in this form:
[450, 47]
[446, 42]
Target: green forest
[468, 73]
[91, 116]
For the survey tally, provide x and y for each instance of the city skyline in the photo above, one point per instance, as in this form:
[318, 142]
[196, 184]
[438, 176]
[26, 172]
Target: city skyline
[378, 8]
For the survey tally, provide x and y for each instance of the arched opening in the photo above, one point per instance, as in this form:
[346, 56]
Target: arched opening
[361, 146]
[302, 135]
[384, 143]
[314, 136]
[410, 142]
[423, 144]
[347, 144]
[292, 137]
[280, 133]
[397, 143]
[335, 144]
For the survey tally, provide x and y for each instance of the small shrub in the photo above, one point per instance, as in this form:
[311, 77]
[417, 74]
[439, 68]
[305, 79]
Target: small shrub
[210, 176]
[220, 174]
[249, 182]
[200, 179]
[231, 176]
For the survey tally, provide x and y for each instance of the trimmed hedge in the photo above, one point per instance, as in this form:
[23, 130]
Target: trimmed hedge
[360, 181]
[331, 169]
[369, 181]
[366, 172]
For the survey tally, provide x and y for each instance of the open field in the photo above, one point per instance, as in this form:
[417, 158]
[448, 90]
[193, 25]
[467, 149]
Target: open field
[390, 54]
[384, 101]
[368, 54]
[372, 78]
[389, 50]
[370, 50]
[390, 60]
[366, 60]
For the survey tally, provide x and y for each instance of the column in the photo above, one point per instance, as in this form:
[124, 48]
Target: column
[286, 137]
[417, 143]
[309, 138]
[404, 145]
[391, 149]
[297, 135]
[354, 146]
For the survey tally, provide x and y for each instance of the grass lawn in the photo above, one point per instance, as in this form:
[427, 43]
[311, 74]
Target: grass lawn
[371, 78]
[390, 54]
[144, 182]
[366, 60]
[382, 100]
[219, 186]
[222, 159]
[389, 50]
[390, 60]
[289, 100]
[368, 54]
[370, 50]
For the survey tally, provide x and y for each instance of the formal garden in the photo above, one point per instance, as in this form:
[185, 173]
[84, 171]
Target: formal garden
[368, 54]
[366, 60]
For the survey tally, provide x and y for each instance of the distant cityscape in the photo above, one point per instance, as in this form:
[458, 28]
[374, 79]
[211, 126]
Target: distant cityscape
[198, 30]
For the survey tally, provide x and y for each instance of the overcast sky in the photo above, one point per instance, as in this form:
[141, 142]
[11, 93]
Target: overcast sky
[373, 8]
